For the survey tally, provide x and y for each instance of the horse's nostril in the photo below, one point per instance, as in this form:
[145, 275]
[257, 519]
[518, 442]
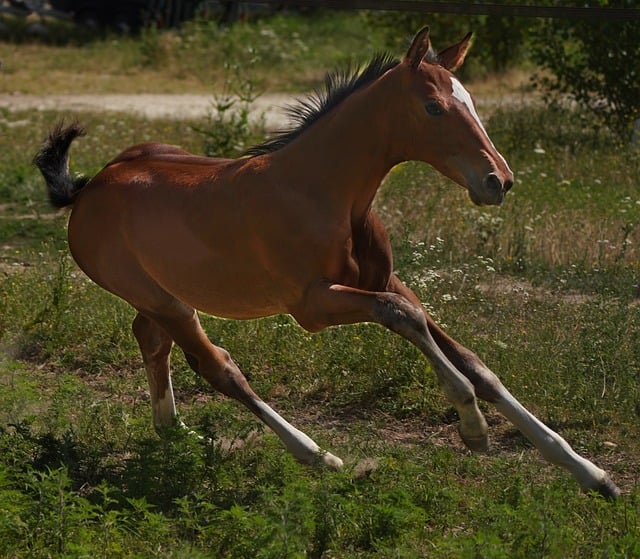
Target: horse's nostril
[507, 185]
[493, 182]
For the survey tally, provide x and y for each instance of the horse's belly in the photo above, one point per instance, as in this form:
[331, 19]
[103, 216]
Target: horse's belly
[238, 295]
[224, 279]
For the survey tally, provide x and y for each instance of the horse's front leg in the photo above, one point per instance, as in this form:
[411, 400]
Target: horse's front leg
[331, 304]
[488, 387]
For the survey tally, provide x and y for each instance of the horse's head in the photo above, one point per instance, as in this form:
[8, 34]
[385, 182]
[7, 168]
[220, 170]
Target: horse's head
[442, 126]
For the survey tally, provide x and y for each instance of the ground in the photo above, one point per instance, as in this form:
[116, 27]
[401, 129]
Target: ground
[185, 106]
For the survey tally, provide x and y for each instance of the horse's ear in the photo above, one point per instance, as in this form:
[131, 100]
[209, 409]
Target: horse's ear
[419, 48]
[453, 57]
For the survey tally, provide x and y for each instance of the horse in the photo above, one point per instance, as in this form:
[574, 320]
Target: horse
[289, 228]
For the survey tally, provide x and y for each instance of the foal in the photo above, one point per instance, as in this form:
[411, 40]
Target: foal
[289, 228]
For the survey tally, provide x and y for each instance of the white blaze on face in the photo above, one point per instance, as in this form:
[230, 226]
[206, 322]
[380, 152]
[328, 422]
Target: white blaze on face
[462, 95]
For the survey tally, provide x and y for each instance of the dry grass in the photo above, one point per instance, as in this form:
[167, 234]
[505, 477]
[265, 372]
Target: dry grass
[104, 68]
[291, 55]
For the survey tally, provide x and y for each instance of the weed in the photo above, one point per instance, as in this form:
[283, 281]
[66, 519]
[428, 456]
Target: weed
[229, 129]
[153, 51]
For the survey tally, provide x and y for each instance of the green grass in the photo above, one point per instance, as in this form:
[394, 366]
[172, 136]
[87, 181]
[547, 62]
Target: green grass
[545, 289]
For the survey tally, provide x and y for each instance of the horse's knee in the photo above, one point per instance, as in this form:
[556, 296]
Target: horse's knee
[233, 382]
[402, 317]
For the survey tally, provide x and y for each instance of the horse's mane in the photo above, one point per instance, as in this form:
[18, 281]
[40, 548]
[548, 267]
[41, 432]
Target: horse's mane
[337, 87]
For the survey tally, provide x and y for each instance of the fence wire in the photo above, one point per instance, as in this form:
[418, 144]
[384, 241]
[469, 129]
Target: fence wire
[600, 13]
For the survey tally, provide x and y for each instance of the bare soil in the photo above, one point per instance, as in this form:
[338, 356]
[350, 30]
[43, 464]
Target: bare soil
[269, 107]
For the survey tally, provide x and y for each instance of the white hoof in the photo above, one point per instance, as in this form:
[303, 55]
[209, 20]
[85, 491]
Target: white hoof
[330, 461]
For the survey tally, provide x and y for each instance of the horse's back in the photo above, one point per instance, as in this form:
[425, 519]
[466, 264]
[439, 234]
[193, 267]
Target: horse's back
[155, 151]
[146, 171]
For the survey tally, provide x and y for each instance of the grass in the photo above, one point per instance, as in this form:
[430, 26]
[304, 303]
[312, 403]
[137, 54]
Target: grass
[281, 54]
[545, 289]
[284, 53]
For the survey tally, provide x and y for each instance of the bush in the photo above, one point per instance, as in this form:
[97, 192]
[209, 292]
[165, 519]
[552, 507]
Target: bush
[499, 42]
[594, 62]
[229, 129]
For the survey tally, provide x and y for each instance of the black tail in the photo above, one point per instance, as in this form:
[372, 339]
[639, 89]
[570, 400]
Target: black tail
[53, 162]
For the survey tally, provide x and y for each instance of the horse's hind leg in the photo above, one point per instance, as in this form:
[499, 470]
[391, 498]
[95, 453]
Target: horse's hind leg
[155, 345]
[489, 388]
[181, 323]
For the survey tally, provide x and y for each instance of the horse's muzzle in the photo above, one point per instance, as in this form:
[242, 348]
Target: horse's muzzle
[493, 182]
[492, 191]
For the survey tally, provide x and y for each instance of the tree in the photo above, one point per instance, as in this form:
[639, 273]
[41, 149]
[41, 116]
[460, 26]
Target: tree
[499, 41]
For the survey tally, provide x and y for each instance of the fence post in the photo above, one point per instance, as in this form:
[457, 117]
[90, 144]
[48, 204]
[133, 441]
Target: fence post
[635, 134]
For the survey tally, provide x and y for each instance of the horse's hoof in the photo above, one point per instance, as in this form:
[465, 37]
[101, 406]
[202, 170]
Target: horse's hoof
[476, 444]
[607, 489]
[475, 434]
[330, 461]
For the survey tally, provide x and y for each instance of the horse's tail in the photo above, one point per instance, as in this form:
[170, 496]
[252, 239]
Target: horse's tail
[53, 162]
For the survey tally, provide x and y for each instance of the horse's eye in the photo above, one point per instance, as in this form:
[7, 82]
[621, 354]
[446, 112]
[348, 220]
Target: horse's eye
[434, 108]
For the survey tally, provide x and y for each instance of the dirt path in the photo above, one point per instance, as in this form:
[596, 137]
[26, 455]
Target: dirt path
[187, 106]
[269, 107]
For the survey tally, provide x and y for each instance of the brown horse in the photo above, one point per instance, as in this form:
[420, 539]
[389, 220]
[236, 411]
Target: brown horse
[289, 228]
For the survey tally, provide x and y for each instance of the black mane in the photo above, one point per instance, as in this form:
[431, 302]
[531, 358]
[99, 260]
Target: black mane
[337, 87]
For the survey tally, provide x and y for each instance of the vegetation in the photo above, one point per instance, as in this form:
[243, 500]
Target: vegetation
[229, 128]
[545, 289]
[499, 42]
[594, 67]
[578, 59]
[281, 54]
[291, 53]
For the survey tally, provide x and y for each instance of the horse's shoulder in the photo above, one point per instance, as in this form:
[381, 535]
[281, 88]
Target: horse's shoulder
[372, 251]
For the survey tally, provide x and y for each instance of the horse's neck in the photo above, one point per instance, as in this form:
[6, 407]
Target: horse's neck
[344, 156]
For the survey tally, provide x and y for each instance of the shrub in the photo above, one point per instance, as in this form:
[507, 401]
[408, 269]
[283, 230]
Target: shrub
[229, 129]
[594, 62]
[499, 41]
